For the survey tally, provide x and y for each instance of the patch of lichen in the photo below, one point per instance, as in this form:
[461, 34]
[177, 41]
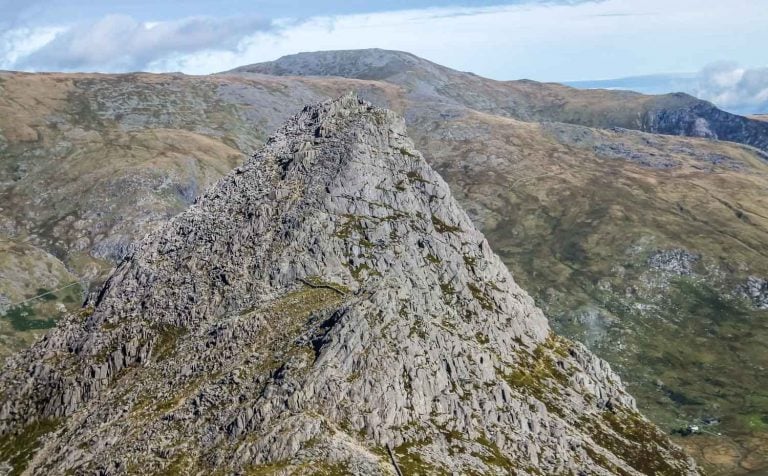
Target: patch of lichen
[17, 448]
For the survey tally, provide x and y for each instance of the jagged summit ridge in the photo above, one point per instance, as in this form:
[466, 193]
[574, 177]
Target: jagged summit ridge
[323, 302]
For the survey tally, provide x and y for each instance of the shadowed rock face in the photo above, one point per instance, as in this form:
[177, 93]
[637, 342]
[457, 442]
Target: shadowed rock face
[323, 302]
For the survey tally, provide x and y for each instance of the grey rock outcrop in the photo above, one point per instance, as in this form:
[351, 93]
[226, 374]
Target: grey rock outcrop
[322, 304]
[756, 290]
[5, 304]
[682, 114]
[674, 261]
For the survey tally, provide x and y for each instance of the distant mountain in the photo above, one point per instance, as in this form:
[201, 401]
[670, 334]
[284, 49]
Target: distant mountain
[674, 114]
[648, 248]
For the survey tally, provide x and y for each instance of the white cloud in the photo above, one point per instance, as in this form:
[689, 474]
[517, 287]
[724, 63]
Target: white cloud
[732, 87]
[121, 43]
[549, 41]
[20, 42]
[725, 84]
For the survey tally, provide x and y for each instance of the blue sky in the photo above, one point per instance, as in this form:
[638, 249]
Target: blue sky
[719, 47]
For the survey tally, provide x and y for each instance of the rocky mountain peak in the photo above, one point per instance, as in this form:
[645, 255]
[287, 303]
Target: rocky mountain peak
[372, 63]
[327, 306]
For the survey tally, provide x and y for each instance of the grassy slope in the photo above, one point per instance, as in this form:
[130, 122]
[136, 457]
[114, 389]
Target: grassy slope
[577, 231]
[77, 188]
[85, 159]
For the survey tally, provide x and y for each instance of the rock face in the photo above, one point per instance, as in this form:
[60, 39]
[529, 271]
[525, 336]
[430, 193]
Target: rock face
[322, 305]
[676, 261]
[682, 114]
[756, 290]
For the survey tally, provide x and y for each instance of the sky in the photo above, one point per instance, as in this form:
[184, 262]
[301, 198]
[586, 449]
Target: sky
[710, 48]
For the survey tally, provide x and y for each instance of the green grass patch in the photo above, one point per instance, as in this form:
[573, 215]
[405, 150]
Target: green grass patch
[18, 448]
[481, 297]
[411, 462]
[24, 318]
[416, 177]
[637, 442]
[447, 289]
[442, 227]
[538, 375]
[493, 456]
[363, 269]
[45, 294]
[168, 337]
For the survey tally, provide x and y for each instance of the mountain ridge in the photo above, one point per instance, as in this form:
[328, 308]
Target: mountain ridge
[673, 114]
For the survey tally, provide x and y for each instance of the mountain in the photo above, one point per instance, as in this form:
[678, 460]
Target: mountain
[647, 248]
[675, 114]
[324, 302]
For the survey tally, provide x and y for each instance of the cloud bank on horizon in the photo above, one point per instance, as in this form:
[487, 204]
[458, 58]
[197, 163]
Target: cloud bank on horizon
[546, 40]
[728, 85]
